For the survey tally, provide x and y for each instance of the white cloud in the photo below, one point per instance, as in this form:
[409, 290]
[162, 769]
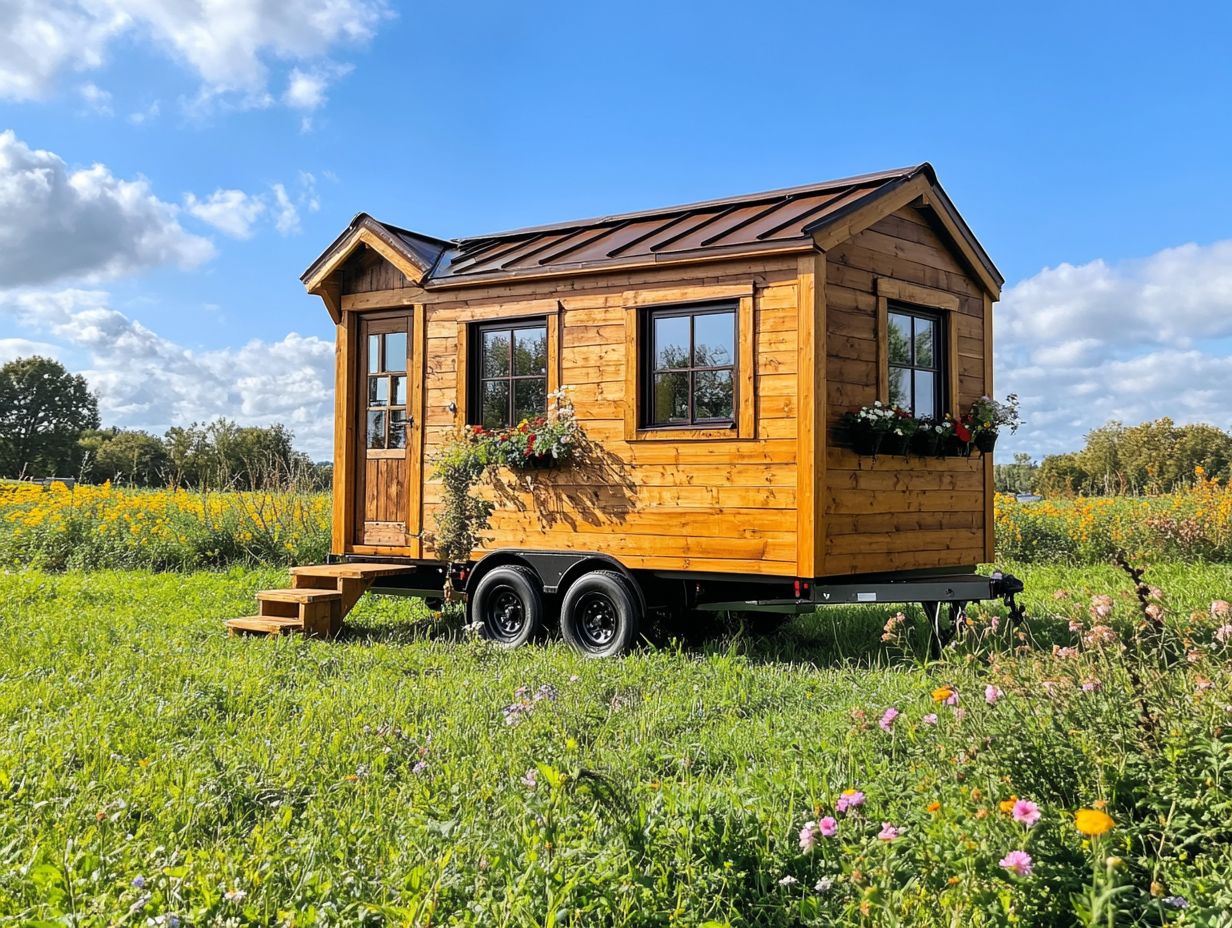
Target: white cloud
[1134, 340]
[229, 44]
[11, 348]
[150, 382]
[149, 114]
[56, 222]
[97, 99]
[287, 218]
[233, 212]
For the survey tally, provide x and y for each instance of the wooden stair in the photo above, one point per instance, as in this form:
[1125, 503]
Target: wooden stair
[317, 601]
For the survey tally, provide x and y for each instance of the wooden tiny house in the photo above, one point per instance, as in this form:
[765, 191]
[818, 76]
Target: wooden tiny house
[711, 349]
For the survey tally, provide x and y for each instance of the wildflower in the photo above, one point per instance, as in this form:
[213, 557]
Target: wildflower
[995, 622]
[530, 779]
[1101, 606]
[1007, 805]
[1176, 902]
[1092, 686]
[788, 880]
[888, 832]
[420, 767]
[1154, 611]
[546, 691]
[1221, 608]
[893, 623]
[887, 720]
[992, 694]
[1025, 812]
[946, 694]
[930, 719]
[1076, 626]
[933, 806]
[1064, 653]
[1093, 822]
[808, 836]
[1100, 635]
[138, 882]
[573, 678]
[824, 885]
[1223, 633]
[234, 895]
[828, 826]
[1018, 863]
[849, 799]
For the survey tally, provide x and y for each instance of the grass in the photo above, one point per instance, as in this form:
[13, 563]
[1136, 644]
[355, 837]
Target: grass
[154, 772]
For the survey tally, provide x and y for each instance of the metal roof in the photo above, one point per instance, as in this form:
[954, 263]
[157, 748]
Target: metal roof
[775, 220]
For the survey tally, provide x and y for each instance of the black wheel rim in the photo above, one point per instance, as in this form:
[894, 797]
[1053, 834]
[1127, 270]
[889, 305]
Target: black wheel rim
[504, 613]
[597, 620]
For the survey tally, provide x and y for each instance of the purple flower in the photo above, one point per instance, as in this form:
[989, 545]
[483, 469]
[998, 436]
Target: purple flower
[1018, 863]
[930, 719]
[848, 800]
[1177, 902]
[419, 767]
[1025, 812]
[887, 720]
[828, 826]
[888, 832]
[992, 694]
[138, 882]
[808, 836]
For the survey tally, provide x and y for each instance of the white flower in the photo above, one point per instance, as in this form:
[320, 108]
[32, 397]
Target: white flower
[824, 884]
[788, 880]
[234, 895]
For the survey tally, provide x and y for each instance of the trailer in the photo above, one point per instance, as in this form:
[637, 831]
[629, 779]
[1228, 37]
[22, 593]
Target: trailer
[711, 350]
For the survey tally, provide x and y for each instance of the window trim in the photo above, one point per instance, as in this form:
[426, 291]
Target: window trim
[938, 303]
[639, 307]
[469, 373]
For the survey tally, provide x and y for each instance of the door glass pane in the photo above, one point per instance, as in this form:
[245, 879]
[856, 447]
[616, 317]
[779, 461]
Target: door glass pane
[376, 428]
[395, 351]
[714, 339]
[671, 398]
[900, 338]
[374, 354]
[495, 353]
[712, 395]
[378, 391]
[397, 428]
[399, 391]
[671, 342]
[530, 351]
[495, 404]
[898, 388]
[530, 398]
[924, 335]
[925, 394]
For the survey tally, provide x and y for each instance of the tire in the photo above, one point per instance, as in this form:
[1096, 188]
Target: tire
[600, 614]
[508, 606]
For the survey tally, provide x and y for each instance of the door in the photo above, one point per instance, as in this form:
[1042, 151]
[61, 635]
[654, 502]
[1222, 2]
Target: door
[387, 497]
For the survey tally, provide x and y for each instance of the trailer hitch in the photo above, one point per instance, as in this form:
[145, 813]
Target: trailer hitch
[1007, 586]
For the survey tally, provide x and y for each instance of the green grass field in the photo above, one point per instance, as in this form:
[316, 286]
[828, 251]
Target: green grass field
[153, 772]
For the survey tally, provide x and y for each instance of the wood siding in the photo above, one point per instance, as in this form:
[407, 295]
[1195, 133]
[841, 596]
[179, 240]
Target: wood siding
[891, 513]
[722, 504]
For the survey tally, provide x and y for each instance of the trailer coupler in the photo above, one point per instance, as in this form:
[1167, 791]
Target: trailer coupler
[1007, 586]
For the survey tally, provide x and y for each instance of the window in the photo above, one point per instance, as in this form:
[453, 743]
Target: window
[916, 356]
[690, 366]
[509, 373]
[386, 427]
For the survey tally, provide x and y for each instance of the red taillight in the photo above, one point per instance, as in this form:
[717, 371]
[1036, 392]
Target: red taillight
[797, 586]
[462, 574]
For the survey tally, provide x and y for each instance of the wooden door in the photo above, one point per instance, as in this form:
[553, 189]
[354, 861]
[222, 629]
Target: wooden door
[387, 497]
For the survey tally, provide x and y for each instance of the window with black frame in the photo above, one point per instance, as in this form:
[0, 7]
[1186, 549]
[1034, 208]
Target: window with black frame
[689, 367]
[916, 361]
[509, 373]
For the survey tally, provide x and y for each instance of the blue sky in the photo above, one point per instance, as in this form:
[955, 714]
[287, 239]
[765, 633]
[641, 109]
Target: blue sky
[1087, 145]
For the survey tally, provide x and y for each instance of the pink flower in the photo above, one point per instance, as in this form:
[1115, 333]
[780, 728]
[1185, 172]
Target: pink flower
[1223, 633]
[1221, 608]
[887, 720]
[808, 836]
[1025, 812]
[930, 719]
[1091, 686]
[828, 826]
[1101, 606]
[888, 832]
[848, 800]
[1018, 863]
[1154, 611]
[1076, 626]
[995, 622]
[992, 694]
[1064, 653]
[952, 699]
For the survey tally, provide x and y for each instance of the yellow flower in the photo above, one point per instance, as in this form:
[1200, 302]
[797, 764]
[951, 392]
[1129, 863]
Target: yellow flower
[942, 693]
[1007, 805]
[934, 806]
[1092, 822]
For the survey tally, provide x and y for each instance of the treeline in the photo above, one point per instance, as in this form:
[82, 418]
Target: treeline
[49, 427]
[1121, 460]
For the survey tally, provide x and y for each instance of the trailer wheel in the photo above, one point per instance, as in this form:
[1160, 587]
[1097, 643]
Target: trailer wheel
[508, 606]
[600, 615]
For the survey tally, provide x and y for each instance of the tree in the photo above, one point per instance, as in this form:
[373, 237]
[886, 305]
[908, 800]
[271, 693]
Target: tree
[126, 456]
[43, 412]
[1019, 477]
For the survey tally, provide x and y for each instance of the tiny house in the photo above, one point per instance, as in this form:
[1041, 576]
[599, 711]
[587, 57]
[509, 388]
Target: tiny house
[711, 350]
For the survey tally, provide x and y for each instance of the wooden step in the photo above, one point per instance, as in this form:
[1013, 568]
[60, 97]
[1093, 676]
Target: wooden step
[300, 596]
[264, 625]
[355, 571]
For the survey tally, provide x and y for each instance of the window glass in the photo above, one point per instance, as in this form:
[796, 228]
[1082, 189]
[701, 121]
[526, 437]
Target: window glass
[376, 428]
[900, 338]
[714, 339]
[512, 373]
[691, 367]
[378, 391]
[923, 342]
[399, 391]
[530, 352]
[495, 411]
[916, 361]
[397, 428]
[496, 353]
[671, 342]
[530, 398]
[374, 353]
[924, 402]
[395, 351]
[899, 395]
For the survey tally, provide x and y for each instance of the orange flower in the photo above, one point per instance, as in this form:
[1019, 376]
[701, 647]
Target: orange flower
[1093, 822]
[934, 806]
[1007, 805]
[942, 693]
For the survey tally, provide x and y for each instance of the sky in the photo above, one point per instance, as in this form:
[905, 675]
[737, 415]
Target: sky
[168, 168]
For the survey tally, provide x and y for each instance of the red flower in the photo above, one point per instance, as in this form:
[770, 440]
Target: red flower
[961, 432]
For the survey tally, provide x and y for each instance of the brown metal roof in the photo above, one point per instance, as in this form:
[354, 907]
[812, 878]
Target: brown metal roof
[776, 220]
